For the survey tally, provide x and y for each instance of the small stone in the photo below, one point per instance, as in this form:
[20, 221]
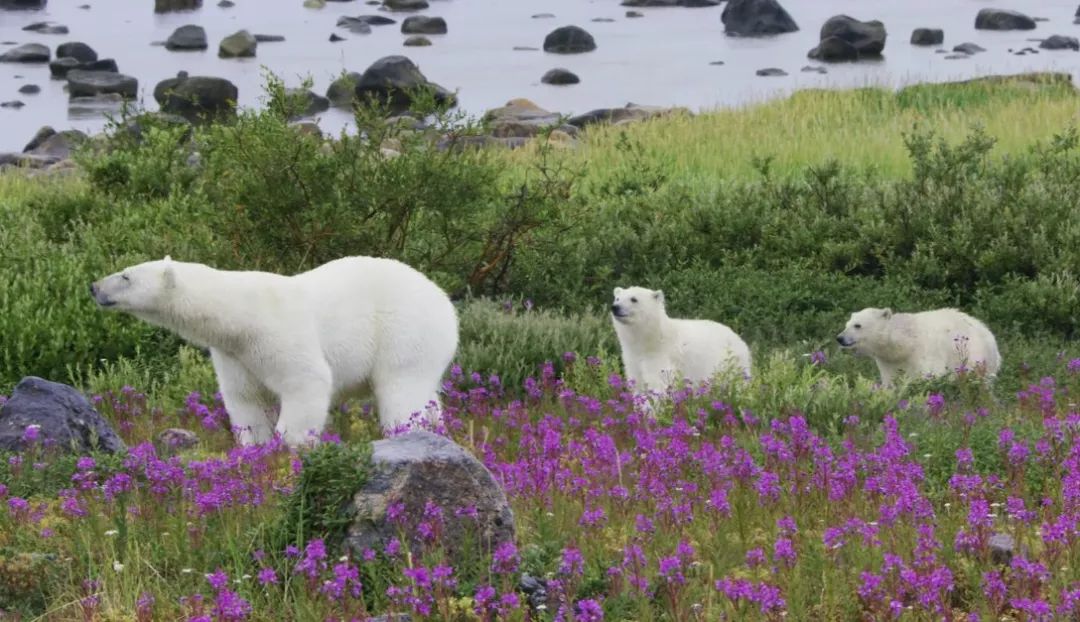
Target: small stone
[226, 4]
[334, 38]
[560, 76]
[47, 28]
[14, 104]
[314, 4]
[716, 62]
[173, 440]
[269, 38]
[633, 14]
[1002, 546]
[544, 16]
[29, 89]
[968, 48]
[525, 48]
[771, 72]
[240, 44]
[603, 20]
[417, 41]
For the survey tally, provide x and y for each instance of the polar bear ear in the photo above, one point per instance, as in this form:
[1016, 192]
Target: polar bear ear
[618, 291]
[886, 313]
[658, 295]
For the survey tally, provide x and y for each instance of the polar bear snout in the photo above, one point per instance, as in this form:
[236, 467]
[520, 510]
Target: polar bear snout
[100, 297]
[619, 313]
[844, 340]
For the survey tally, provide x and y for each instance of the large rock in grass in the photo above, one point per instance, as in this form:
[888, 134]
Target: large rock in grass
[197, 98]
[418, 468]
[1000, 19]
[630, 113]
[569, 40]
[756, 18]
[845, 38]
[27, 53]
[90, 83]
[519, 118]
[64, 419]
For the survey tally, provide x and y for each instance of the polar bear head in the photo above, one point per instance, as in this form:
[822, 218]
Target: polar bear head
[637, 306]
[139, 288]
[866, 330]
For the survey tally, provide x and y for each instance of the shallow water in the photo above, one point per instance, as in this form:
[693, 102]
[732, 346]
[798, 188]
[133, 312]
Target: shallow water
[660, 59]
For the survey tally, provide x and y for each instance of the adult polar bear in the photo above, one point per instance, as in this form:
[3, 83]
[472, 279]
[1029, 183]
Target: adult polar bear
[302, 341]
[656, 348]
[930, 343]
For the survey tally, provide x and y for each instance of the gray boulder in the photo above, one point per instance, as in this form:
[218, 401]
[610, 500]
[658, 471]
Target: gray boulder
[420, 467]
[173, 440]
[197, 98]
[1060, 42]
[845, 38]
[756, 18]
[569, 40]
[520, 118]
[927, 36]
[1000, 19]
[60, 67]
[405, 5]
[240, 44]
[342, 91]
[423, 25]
[560, 76]
[83, 83]
[27, 53]
[630, 113]
[190, 37]
[77, 50]
[65, 419]
[391, 78]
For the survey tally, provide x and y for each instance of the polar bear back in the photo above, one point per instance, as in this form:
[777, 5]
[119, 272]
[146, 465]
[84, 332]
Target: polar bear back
[938, 342]
[703, 348]
[371, 311]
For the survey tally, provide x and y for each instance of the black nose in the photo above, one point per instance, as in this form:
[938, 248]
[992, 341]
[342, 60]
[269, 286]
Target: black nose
[840, 340]
[93, 289]
[615, 308]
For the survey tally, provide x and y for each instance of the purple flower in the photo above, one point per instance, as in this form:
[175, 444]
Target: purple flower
[267, 576]
[935, 403]
[572, 562]
[31, 433]
[505, 559]
[784, 552]
[817, 358]
[589, 611]
[218, 580]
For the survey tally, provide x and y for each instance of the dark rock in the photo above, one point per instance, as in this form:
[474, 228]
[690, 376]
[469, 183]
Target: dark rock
[1002, 546]
[1060, 42]
[240, 44]
[168, 6]
[635, 14]
[26, 161]
[197, 98]
[40, 137]
[716, 62]
[544, 16]
[629, 113]
[13, 104]
[999, 19]
[755, 18]
[525, 48]
[417, 41]
[269, 38]
[560, 76]
[355, 25]
[26, 53]
[22, 5]
[60, 67]
[602, 20]
[844, 38]
[47, 28]
[423, 25]
[226, 4]
[342, 91]
[65, 418]
[405, 5]
[173, 440]
[418, 468]
[368, 20]
[29, 89]
[82, 83]
[334, 38]
[968, 48]
[535, 591]
[390, 79]
[313, 103]
[814, 69]
[771, 72]
[927, 36]
[956, 56]
[569, 40]
[77, 50]
[189, 37]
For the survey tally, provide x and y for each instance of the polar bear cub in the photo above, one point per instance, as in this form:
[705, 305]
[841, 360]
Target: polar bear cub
[301, 342]
[927, 344]
[656, 349]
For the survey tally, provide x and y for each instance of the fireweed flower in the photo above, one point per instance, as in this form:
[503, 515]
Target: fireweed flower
[572, 562]
[505, 559]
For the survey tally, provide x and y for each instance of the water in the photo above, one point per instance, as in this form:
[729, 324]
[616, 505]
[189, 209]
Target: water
[660, 59]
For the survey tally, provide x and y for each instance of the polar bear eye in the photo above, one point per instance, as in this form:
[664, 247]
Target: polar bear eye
[857, 326]
[633, 300]
[125, 277]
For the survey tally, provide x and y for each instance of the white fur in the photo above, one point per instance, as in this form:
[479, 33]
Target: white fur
[656, 349]
[927, 344]
[303, 341]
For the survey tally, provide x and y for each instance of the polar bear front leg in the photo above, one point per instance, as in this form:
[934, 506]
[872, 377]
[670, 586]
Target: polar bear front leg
[246, 400]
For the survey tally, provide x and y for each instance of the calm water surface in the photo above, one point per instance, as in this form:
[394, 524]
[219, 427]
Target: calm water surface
[661, 59]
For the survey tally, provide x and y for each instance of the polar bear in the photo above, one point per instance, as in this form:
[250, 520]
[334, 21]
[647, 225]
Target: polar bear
[928, 344]
[657, 349]
[301, 342]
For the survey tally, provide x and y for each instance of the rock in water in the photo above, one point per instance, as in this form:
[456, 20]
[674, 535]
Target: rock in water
[77, 50]
[190, 37]
[569, 40]
[391, 77]
[1060, 42]
[65, 419]
[845, 38]
[927, 36]
[168, 6]
[423, 25]
[999, 19]
[420, 467]
[89, 83]
[197, 97]
[755, 18]
[560, 76]
[240, 44]
[27, 53]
